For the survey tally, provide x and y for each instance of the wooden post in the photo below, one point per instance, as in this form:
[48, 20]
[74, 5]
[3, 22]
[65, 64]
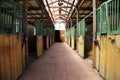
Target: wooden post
[25, 28]
[94, 31]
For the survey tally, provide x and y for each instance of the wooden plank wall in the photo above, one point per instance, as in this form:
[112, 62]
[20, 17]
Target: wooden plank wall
[80, 46]
[10, 57]
[97, 55]
[50, 41]
[72, 43]
[47, 42]
[109, 57]
[69, 41]
[62, 35]
[103, 55]
[39, 46]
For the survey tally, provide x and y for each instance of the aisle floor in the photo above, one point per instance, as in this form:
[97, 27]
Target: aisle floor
[60, 62]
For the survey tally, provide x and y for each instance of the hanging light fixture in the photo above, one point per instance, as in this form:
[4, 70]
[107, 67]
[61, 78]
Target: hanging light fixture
[60, 3]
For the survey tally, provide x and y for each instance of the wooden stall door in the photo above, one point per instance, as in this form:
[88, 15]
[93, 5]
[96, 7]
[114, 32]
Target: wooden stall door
[103, 48]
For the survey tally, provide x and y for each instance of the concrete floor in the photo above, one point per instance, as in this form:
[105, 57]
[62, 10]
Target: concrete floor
[60, 62]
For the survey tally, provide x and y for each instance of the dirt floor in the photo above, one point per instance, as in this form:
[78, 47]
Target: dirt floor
[60, 62]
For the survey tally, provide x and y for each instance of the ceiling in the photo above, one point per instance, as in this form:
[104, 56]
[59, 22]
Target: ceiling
[59, 9]
[51, 11]
[36, 11]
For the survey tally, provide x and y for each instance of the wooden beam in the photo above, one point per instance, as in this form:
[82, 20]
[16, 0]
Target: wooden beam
[36, 17]
[70, 9]
[59, 19]
[34, 8]
[53, 2]
[59, 14]
[60, 6]
[62, 10]
[85, 8]
[67, 2]
[49, 10]
[65, 10]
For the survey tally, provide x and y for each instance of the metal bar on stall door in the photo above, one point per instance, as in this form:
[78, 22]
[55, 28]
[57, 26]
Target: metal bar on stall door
[115, 16]
[112, 16]
[9, 27]
[1, 17]
[118, 14]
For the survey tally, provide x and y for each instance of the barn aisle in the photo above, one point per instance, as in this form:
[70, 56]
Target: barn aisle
[60, 62]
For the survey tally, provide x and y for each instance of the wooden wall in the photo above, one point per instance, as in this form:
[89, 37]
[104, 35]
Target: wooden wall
[80, 46]
[108, 57]
[51, 40]
[10, 57]
[39, 46]
[62, 35]
[47, 42]
[72, 43]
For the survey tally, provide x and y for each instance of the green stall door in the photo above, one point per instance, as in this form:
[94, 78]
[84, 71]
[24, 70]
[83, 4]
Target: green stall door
[10, 17]
[39, 28]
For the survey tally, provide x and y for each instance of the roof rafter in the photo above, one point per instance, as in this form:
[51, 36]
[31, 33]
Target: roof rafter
[53, 2]
[67, 2]
[60, 6]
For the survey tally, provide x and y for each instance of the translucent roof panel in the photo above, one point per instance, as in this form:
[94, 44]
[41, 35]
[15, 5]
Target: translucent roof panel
[59, 8]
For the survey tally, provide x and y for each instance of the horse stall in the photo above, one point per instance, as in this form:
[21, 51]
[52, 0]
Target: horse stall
[47, 38]
[88, 38]
[80, 38]
[44, 39]
[51, 34]
[72, 37]
[68, 37]
[11, 56]
[39, 38]
[108, 36]
[32, 43]
[84, 39]
[62, 35]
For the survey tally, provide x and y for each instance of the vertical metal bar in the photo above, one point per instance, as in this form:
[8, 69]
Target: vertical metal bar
[9, 26]
[115, 16]
[118, 12]
[112, 16]
[43, 11]
[25, 28]
[71, 21]
[76, 20]
[94, 30]
[21, 20]
[1, 17]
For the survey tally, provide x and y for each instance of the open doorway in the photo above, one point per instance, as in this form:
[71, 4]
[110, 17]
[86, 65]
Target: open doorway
[32, 44]
[88, 39]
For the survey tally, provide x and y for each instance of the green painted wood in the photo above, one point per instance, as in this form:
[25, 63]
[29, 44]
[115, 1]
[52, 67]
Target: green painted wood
[72, 31]
[39, 28]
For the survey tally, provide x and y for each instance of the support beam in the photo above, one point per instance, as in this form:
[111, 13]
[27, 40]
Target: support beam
[49, 10]
[65, 10]
[67, 2]
[61, 18]
[25, 29]
[70, 9]
[60, 6]
[53, 2]
[59, 14]
[62, 10]
[94, 30]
